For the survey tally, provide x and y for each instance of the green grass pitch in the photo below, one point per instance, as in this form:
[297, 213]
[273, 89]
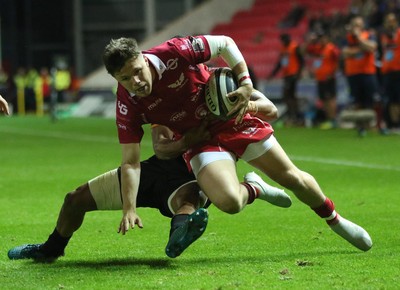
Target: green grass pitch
[263, 247]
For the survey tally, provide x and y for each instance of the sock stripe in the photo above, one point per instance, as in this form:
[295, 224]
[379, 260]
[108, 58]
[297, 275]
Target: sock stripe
[253, 194]
[332, 216]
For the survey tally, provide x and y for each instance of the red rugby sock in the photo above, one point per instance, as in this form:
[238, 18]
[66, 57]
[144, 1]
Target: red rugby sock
[327, 211]
[253, 194]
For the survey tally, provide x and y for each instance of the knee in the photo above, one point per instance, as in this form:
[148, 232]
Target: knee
[74, 200]
[229, 204]
[230, 208]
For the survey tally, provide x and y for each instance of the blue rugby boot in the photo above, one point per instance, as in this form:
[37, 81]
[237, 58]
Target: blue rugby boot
[183, 236]
[30, 251]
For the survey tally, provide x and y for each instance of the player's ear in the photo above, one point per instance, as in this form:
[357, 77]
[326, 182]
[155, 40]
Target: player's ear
[146, 60]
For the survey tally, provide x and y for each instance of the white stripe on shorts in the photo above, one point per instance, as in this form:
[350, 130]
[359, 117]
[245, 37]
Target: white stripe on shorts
[255, 150]
[204, 158]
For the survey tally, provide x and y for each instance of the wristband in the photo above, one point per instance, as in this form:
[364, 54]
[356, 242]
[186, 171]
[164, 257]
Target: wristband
[244, 79]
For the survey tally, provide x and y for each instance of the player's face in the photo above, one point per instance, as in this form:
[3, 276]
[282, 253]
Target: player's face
[390, 22]
[135, 76]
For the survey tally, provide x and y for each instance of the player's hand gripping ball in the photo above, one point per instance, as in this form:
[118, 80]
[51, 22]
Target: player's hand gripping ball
[221, 82]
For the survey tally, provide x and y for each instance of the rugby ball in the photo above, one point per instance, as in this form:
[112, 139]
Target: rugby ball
[221, 82]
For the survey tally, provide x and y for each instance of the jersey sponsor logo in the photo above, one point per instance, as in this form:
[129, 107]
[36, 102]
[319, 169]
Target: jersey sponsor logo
[247, 128]
[122, 126]
[172, 63]
[244, 125]
[178, 116]
[250, 131]
[154, 104]
[123, 109]
[198, 44]
[178, 83]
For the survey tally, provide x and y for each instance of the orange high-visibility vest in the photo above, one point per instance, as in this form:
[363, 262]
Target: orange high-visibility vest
[391, 52]
[326, 64]
[363, 62]
[289, 61]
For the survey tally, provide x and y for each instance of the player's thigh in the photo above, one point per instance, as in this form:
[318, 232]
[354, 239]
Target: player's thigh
[219, 182]
[80, 198]
[105, 190]
[277, 165]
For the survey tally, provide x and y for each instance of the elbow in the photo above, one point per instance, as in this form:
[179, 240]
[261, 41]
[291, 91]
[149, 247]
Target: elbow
[229, 40]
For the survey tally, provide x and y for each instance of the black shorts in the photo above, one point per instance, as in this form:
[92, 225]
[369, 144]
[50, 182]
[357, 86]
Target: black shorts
[289, 87]
[363, 90]
[391, 83]
[327, 89]
[158, 180]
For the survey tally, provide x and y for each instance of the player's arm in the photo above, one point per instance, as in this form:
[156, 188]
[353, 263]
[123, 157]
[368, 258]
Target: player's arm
[351, 51]
[130, 178]
[260, 106]
[276, 68]
[366, 44]
[363, 45]
[225, 47]
[4, 106]
[166, 147]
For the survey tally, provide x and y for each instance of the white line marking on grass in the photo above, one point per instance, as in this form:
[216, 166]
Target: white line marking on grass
[345, 163]
[102, 139]
[65, 136]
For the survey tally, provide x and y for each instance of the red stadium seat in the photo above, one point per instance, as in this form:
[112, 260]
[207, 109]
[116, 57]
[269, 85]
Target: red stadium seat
[256, 31]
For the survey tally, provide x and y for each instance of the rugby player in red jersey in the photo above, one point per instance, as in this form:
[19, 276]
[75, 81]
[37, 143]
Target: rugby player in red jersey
[166, 185]
[165, 85]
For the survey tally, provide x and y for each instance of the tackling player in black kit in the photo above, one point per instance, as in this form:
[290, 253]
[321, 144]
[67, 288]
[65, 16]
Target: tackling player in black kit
[165, 185]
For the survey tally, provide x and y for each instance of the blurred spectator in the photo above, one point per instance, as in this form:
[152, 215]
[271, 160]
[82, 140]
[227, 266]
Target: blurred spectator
[362, 8]
[390, 45]
[20, 80]
[43, 85]
[293, 17]
[359, 66]
[30, 83]
[317, 21]
[291, 62]
[43, 90]
[324, 66]
[62, 82]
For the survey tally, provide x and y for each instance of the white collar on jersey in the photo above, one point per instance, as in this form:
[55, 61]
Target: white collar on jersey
[159, 66]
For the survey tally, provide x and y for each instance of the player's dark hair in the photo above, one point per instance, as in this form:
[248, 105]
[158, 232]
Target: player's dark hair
[117, 52]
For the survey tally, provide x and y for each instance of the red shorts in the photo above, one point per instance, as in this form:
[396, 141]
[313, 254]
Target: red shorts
[228, 137]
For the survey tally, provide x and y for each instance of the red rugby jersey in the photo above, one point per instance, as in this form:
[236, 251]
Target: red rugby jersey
[177, 98]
